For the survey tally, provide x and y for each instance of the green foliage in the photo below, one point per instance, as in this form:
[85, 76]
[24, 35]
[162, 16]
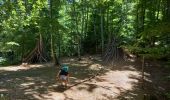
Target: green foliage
[168, 95]
[2, 61]
[153, 42]
[159, 30]
[4, 96]
[153, 53]
[142, 26]
[5, 63]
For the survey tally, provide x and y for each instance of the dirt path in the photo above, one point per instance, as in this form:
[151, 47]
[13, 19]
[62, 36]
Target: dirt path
[37, 82]
[106, 87]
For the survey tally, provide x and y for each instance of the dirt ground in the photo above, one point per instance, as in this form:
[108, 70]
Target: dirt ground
[117, 82]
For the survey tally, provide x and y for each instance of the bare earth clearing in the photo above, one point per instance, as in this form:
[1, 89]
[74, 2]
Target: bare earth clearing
[37, 82]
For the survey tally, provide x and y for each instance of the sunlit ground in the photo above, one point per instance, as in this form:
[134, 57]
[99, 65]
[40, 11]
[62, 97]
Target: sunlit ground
[105, 87]
[37, 82]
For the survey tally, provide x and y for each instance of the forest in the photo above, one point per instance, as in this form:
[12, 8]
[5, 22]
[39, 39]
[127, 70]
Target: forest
[90, 36]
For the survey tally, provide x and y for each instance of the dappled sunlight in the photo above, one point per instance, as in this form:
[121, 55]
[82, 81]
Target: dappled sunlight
[121, 78]
[20, 67]
[39, 82]
[96, 66]
[115, 82]
[146, 77]
[74, 80]
[108, 86]
[29, 78]
[84, 62]
[130, 67]
[27, 84]
[12, 68]
[80, 65]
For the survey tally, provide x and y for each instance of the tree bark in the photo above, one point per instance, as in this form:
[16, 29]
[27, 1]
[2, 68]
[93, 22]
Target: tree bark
[143, 14]
[168, 10]
[143, 65]
[107, 23]
[94, 27]
[87, 18]
[77, 31]
[52, 44]
[158, 10]
[101, 29]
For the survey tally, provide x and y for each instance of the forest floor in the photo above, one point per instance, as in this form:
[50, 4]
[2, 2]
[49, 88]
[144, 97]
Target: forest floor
[121, 81]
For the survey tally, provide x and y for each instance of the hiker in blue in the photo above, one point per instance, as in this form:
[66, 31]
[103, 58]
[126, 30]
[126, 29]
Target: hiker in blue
[63, 75]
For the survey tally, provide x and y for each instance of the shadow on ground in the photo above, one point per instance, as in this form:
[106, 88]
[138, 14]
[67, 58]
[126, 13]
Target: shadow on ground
[32, 83]
[121, 81]
[154, 86]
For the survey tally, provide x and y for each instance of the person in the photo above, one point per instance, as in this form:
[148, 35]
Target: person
[63, 75]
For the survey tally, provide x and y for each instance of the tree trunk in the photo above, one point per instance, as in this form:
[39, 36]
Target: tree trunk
[107, 23]
[137, 19]
[143, 14]
[23, 47]
[77, 32]
[87, 18]
[83, 19]
[143, 65]
[52, 44]
[158, 10]
[94, 26]
[168, 10]
[102, 31]
[59, 45]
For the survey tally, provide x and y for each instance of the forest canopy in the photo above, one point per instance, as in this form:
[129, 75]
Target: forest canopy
[78, 27]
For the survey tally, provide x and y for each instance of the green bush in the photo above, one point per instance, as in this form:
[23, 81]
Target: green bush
[168, 95]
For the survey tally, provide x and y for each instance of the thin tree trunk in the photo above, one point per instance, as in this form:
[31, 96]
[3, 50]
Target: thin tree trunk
[23, 47]
[102, 31]
[23, 39]
[143, 65]
[158, 10]
[94, 26]
[164, 10]
[107, 23]
[143, 14]
[87, 18]
[59, 46]
[77, 32]
[26, 9]
[168, 10]
[137, 20]
[83, 19]
[52, 44]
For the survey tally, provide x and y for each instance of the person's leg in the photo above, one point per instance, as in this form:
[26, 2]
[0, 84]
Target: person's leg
[65, 81]
[61, 79]
[68, 78]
